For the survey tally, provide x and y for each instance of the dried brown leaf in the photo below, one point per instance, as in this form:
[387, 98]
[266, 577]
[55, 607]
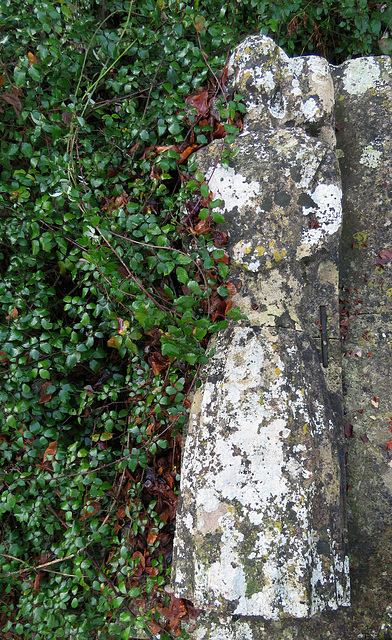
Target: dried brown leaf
[199, 102]
[203, 227]
[384, 257]
[4, 360]
[348, 430]
[45, 397]
[32, 58]
[13, 100]
[14, 314]
[50, 450]
[232, 289]
[38, 579]
[158, 362]
[87, 513]
[66, 117]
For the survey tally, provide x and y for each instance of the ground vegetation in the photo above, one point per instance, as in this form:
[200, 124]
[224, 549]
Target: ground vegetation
[114, 273]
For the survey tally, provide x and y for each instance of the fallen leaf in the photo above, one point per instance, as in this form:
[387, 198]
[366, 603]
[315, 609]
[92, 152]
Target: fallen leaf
[66, 117]
[348, 430]
[4, 360]
[2, 79]
[120, 513]
[45, 397]
[44, 557]
[38, 579]
[87, 512]
[187, 152]
[192, 610]
[364, 438]
[199, 102]
[384, 257]
[375, 402]
[229, 304]
[151, 537]
[32, 58]
[219, 131]
[140, 563]
[158, 362]
[50, 450]
[219, 238]
[13, 100]
[203, 227]
[225, 259]
[14, 314]
[122, 326]
[388, 445]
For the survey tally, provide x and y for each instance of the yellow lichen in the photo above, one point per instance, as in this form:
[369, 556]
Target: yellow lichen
[279, 254]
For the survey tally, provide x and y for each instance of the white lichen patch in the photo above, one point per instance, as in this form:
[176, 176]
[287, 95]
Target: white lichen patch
[248, 254]
[310, 109]
[309, 162]
[360, 75]
[370, 157]
[233, 188]
[237, 630]
[328, 212]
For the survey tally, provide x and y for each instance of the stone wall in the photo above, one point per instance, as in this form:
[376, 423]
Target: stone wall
[261, 540]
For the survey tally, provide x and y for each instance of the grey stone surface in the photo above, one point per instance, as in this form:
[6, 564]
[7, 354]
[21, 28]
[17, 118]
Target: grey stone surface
[261, 527]
[363, 95]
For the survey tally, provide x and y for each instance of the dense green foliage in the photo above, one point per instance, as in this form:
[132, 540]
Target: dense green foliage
[109, 289]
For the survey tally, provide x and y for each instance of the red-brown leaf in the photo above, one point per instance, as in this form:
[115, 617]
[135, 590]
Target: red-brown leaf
[158, 362]
[232, 289]
[225, 259]
[151, 536]
[203, 227]
[219, 131]
[220, 238]
[14, 314]
[13, 100]
[120, 513]
[187, 152]
[384, 257]
[224, 75]
[4, 360]
[139, 569]
[87, 513]
[45, 397]
[388, 445]
[38, 579]
[50, 450]
[199, 102]
[348, 430]
[32, 58]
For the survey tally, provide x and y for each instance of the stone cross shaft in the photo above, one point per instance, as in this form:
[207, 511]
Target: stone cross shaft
[261, 527]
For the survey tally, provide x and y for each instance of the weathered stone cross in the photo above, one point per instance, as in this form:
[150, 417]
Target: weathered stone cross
[261, 528]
